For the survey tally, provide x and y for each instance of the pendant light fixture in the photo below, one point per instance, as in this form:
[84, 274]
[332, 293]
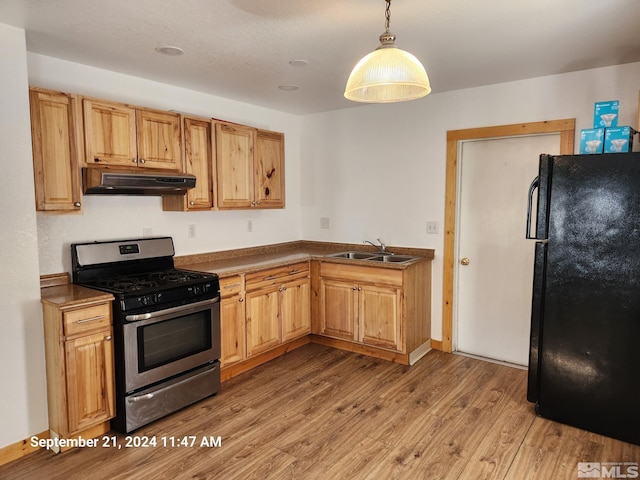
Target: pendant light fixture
[388, 74]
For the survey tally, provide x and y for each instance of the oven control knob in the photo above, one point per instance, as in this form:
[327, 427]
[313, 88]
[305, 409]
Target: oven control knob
[197, 290]
[144, 300]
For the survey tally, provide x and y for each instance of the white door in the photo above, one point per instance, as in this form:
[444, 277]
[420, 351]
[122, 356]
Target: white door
[494, 261]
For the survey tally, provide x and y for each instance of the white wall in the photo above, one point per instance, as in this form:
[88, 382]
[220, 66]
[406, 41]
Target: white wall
[23, 403]
[379, 170]
[115, 217]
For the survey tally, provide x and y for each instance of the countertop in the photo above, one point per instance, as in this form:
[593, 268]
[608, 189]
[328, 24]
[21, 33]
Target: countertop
[233, 262]
[70, 295]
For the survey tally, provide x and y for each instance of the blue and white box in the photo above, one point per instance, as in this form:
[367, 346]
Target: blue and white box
[605, 114]
[591, 140]
[618, 139]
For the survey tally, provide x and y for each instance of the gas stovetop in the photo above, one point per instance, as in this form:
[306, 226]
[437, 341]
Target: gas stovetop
[140, 274]
[151, 282]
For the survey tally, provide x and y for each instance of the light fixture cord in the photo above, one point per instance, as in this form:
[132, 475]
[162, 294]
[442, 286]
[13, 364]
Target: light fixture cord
[387, 15]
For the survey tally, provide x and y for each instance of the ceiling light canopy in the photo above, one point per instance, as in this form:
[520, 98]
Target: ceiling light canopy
[388, 74]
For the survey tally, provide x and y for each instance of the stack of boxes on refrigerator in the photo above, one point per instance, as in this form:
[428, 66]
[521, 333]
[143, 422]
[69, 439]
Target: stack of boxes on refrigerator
[606, 136]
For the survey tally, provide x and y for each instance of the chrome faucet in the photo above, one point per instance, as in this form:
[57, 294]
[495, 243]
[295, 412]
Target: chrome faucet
[382, 246]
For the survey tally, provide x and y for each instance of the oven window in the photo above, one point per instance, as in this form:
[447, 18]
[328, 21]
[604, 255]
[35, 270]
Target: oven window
[164, 342]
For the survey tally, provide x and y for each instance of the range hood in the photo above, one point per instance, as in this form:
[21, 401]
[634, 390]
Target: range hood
[108, 182]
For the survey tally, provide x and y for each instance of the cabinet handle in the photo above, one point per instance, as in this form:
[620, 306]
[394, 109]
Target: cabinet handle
[253, 203]
[241, 299]
[293, 272]
[107, 338]
[258, 203]
[192, 203]
[359, 289]
[355, 288]
[271, 277]
[142, 160]
[92, 319]
[232, 285]
[77, 204]
[134, 160]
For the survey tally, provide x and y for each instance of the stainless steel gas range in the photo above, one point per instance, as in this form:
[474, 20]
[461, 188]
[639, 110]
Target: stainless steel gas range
[166, 326]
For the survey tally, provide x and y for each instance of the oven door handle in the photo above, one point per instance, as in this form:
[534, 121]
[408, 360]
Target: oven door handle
[170, 311]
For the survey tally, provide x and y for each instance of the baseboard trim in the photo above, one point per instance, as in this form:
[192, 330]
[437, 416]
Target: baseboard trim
[436, 344]
[21, 448]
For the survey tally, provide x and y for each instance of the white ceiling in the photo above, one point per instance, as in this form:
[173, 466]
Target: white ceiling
[241, 49]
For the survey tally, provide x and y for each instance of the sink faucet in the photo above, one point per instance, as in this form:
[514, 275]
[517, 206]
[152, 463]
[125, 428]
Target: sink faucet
[382, 245]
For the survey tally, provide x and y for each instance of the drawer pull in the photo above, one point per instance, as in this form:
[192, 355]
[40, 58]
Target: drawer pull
[92, 319]
[108, 338]
[271, 277]
[293, 272]
[232, 285]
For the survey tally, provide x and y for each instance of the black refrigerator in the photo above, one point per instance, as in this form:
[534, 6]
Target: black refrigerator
[584, 360]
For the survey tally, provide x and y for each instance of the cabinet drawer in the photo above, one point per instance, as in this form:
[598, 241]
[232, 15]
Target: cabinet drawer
[275, 276]
[231, 286]
[87, 319]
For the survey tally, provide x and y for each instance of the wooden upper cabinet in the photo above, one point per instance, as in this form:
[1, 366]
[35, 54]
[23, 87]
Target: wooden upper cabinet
[198, 161]
[269, 169]
[158, 139]
[118, 135]
[110, 134]
[57, 147]
[250, 167]
[234, 165]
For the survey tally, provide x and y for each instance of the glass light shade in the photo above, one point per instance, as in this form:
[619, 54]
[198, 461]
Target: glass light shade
[388, 74]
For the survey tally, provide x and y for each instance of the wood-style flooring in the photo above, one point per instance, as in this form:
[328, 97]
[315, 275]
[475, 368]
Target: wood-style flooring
[322, 413]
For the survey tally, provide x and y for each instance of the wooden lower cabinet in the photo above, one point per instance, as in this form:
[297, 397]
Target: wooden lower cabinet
[380, 316]
[80, 368]
[338, 309]
[89, 374]
[278, 308]
[380, 309]
[232, 320]
[360, 311]
[295, 309]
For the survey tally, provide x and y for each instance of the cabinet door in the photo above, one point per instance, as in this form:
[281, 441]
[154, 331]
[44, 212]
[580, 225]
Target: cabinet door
[56, 150]
[338, 308]
[295, 309]
[379, 310]
[263, 321]
[269, 169]
[234, 166]
[232, 331]
[198, 161]
[158, 140]
[89, 369]
[109, 134]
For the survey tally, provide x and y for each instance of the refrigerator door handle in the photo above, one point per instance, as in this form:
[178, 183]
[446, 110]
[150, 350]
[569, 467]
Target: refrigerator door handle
[534, 185]
[532, 188]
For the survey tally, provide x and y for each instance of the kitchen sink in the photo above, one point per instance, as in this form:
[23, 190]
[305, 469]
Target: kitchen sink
[353, 255]
[373, 257]
[392, 258]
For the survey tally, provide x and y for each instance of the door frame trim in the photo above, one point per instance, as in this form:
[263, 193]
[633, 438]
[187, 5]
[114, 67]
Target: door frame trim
[566, 129]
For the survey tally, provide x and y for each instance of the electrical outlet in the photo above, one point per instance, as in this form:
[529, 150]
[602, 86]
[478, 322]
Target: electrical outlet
[249, 226]
[324, 223]
[147, 232]
[433, 228]
[192, 231]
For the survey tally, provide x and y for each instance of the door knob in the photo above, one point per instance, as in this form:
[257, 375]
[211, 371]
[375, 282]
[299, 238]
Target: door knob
[465, 261]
